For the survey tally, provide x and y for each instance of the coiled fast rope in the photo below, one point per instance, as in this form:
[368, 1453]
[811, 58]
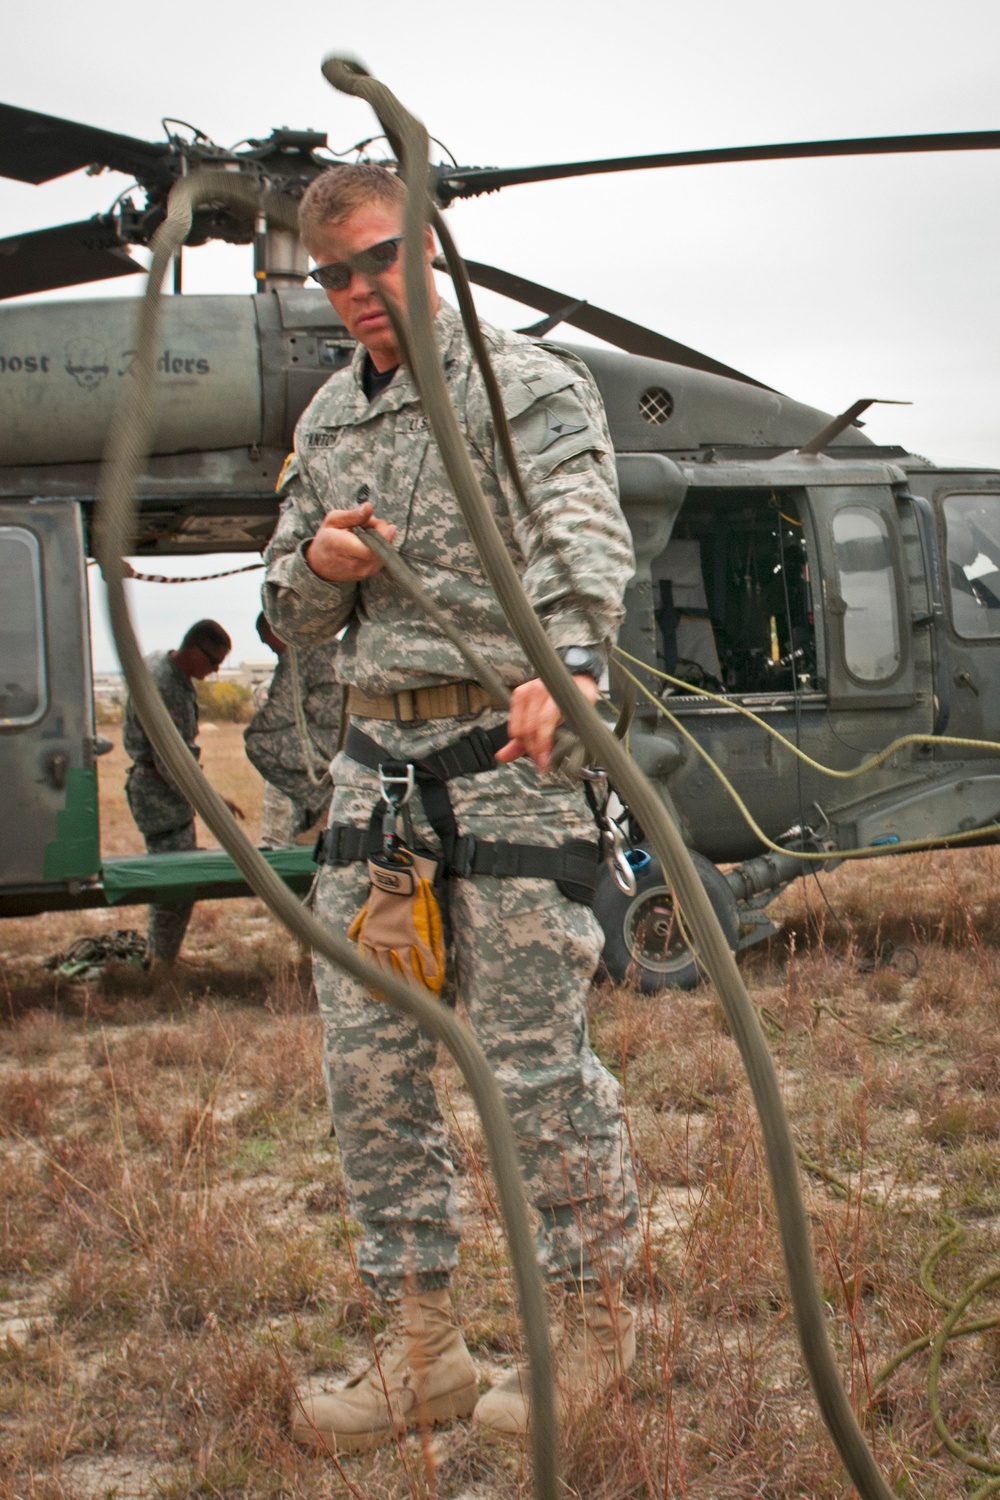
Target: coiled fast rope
[951, 1328]
[409, 141]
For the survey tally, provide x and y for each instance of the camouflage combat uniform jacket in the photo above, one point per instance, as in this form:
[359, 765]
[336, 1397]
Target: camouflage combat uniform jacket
[523, 955]
[156, 804]
[272, 737]
[573, 549]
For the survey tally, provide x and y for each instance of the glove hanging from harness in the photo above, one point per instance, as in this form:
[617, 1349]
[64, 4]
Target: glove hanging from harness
[399, 925]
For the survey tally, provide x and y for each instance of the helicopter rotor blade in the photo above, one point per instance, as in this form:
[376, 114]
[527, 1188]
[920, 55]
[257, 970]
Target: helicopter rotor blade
[469, 182]
[634, 338]
[36, 148]
[63, 256]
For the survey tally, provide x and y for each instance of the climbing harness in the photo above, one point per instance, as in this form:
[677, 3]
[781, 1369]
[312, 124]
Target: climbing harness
[572, 866]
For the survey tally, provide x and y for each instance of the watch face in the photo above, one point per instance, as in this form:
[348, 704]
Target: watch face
[580, 660]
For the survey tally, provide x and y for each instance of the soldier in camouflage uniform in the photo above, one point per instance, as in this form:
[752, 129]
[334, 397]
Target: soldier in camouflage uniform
[163, 817]
[273, 740]
[523, 954]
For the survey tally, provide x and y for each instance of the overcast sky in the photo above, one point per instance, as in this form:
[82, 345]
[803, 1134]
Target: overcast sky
[829, 280]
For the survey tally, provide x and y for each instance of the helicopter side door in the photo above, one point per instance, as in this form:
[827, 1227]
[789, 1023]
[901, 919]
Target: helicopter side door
[866, 600]
[49, 835]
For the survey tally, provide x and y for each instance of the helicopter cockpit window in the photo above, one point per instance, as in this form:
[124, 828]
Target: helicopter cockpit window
[973, 529]
[868, 589]
[22, 658]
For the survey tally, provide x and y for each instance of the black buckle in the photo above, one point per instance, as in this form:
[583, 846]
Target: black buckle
[482, 749]
[463, 858]
[321, 850]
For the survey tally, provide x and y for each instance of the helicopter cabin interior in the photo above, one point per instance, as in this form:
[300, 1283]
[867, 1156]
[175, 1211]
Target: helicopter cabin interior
[733, 591]
[731, 595]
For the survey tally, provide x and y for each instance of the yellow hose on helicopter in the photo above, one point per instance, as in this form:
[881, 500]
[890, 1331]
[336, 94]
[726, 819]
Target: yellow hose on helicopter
[870, 764]
[869, 851]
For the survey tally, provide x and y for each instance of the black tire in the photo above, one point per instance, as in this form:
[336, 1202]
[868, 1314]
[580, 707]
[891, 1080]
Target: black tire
[642, 941]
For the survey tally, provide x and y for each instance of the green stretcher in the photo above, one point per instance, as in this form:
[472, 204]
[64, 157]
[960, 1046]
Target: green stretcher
[196, 875]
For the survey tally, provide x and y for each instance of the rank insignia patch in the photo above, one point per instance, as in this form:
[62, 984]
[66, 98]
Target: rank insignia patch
[556, 428]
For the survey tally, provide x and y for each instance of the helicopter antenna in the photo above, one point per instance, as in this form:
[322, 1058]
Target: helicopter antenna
[847, 418]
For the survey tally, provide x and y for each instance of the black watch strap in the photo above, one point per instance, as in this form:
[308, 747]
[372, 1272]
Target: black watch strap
[582, 661]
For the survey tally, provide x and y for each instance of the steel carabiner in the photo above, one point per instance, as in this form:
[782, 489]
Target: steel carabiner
[611, 836]
[396, 781]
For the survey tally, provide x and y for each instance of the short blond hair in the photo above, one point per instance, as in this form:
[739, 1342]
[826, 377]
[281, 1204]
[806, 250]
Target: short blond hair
[338, 192]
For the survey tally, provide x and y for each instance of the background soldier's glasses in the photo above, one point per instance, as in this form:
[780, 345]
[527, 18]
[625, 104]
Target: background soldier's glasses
[336, 277]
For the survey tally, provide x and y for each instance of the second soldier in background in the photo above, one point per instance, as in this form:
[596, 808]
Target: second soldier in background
[294, 756]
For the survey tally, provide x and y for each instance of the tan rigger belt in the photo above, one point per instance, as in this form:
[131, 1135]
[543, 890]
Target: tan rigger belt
[452, 700]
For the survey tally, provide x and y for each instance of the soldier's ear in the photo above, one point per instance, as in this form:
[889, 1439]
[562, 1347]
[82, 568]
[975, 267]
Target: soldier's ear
[430, 248]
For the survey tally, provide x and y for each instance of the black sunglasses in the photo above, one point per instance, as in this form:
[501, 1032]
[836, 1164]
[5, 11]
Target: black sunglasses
[215, 665]
[336, 277]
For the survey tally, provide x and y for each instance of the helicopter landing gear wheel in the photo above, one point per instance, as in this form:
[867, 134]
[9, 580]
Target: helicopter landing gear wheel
[643, 941]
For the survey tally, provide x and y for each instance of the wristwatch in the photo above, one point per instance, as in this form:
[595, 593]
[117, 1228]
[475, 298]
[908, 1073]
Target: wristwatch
[581, 661]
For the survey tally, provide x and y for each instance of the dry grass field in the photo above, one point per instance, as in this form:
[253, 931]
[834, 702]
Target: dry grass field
[176, 1251]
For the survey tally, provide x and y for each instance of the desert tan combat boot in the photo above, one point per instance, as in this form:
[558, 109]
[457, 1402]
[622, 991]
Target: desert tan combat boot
[422, 1363]
[594, 1345]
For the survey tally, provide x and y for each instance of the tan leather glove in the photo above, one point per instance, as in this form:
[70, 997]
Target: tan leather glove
[399, 925]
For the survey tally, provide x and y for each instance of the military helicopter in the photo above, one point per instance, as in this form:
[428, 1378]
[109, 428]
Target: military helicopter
[847, 594]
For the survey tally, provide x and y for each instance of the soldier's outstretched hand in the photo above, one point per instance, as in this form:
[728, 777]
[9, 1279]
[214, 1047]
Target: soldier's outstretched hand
[534, 718]
[337, 555]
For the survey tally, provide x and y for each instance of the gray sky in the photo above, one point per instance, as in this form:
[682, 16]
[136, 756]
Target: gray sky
[829, 280]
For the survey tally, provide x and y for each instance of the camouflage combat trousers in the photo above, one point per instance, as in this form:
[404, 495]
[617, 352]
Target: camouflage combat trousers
[522, 959]
[167, 924]
[166, 822]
